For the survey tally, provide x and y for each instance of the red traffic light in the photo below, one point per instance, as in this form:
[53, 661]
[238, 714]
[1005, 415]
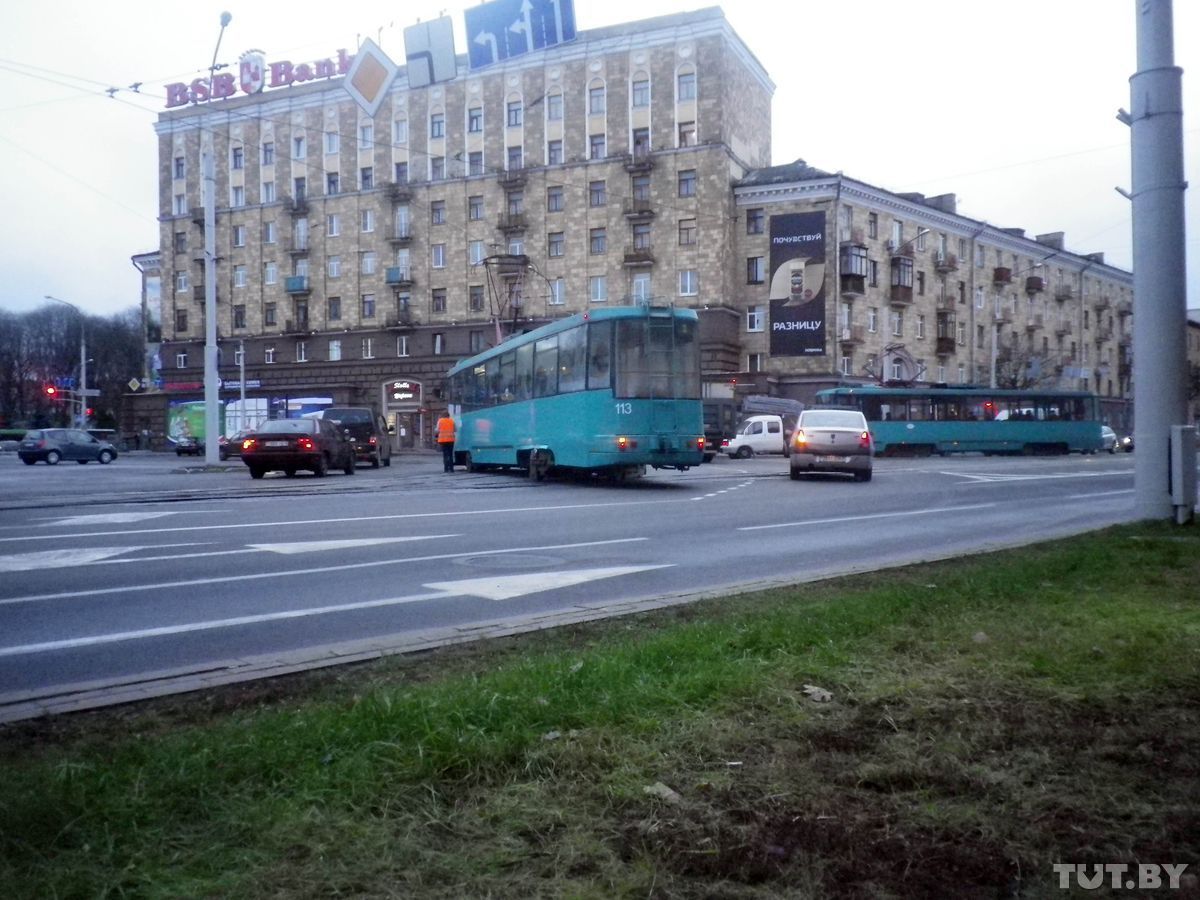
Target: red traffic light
[51, 390]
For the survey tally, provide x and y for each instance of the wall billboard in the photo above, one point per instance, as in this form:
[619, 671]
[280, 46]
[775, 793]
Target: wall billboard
[797, 279]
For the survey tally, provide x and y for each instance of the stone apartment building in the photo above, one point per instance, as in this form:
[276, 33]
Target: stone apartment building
[359, 256]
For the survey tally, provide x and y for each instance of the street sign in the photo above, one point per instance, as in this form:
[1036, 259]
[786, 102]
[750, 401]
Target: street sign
[134, 384]
[506, 28]
[90, 392]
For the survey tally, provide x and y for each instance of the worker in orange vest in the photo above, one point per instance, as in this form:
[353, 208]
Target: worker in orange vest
[445, 439]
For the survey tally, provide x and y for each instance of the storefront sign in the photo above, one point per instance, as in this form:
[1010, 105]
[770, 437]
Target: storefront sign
[404, 391]
[254, 74]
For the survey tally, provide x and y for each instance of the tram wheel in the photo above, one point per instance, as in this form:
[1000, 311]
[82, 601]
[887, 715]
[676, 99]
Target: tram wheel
[539, 464]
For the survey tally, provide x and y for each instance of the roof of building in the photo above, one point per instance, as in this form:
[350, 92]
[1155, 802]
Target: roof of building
[783, 174]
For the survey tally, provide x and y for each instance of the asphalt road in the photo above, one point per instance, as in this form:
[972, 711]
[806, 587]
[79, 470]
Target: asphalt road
[153, 575]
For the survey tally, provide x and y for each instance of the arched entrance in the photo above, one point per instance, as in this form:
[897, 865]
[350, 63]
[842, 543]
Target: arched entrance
[402, 409]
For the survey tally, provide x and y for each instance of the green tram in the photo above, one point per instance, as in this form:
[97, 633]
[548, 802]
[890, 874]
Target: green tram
[608, 391]
[924, 421]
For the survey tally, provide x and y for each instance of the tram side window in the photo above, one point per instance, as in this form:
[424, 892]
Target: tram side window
[920, 409]
[599, 356]
[508, 378]
[894, 409]
[685, 372]
[947, 410]
[491, 382]
[524, 372]
[545, 367]
[572, 359]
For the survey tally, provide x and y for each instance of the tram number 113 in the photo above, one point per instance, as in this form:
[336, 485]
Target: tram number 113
[624, 409]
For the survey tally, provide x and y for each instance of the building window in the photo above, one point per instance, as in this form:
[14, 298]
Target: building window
[755, 270]
[269, 232]
[239, 321]
[439, 343]
[269, 355]
[688, 283]
[755, 318]
[268, 192]
[335, 349]
[475, 162]
[597, 193]
[239, 276]
[268, 153]
[897, 323]
[598, 288]
[332, 183]
[872, 320]
[687, 183]
[554, 152]
[641, 92]
[687, 232]
[596, 101]
[873, 272]
[554, 107]
[333, 142]
[271, 273]
[269, 314]
[754, 362]
[515, 114]
[847, 364]
[368, 262]
[181, 320]
[366, 136]
[366, 178]
[237, 196]
[302, 351]
[641, 236]
[596, 146]
[300, 188]
[334, 266]
[368, 348]
[400, 131]
[516, 246]
[180, 206]
[367, 220]
[597, 241]
[476, 252]
[515, 202]
[475, 208]
[181, 359]
[237, 159]
[179, 243]
[920, 283]
[402, 345]
[687, 134]
[437, 212]
[755, 219]
[558, 292]
[299, 148]
[401, 173]
[555, 244]
[180, 167]
[438, 256]
[920, 326]
[515, 159]
[921, 233]
[687, 86]
[872, 225]
[475, 297]
[333, 225]
[368, 306]
[961, 333]
[239, 235]
[335, 309]
[437, 168]
[475, 120]
[181, 280]
[554, 198]
[437, 125]
[438, 300]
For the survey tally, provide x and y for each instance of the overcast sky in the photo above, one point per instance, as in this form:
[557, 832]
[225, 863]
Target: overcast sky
[1010, 106]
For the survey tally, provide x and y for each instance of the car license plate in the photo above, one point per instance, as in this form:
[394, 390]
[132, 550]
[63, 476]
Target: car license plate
[276, 444]
[833, 459]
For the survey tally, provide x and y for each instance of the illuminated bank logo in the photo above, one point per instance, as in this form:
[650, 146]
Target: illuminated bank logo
[252, 71]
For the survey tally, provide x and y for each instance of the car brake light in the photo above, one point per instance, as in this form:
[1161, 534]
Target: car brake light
[864, 440]
[305, 443]
[724, 442]
[700, 443]
[248, 444]
[372, 441]
[800, 439]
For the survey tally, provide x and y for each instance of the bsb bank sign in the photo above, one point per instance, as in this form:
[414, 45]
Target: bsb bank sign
[254, 74]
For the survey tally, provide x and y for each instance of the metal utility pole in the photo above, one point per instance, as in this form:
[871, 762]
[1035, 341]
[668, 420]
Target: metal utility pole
[1160, 312]
[81, 391]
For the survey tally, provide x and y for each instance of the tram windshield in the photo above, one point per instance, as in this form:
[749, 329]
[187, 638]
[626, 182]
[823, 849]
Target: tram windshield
[657, 358]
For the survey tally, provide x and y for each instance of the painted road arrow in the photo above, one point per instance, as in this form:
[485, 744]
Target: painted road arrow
[501, 588]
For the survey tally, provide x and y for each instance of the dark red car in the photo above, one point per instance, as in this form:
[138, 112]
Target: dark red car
[289, 445]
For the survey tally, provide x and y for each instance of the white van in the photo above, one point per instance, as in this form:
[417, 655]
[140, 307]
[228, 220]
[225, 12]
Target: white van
[757, 434]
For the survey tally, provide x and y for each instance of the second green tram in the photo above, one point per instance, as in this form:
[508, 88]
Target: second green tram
[608, 391]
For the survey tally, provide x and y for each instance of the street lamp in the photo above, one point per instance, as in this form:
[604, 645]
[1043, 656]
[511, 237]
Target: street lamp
[83, 360]
[211, 417]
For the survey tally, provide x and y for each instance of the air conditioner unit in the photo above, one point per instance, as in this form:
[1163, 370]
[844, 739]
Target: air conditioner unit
[892, 245]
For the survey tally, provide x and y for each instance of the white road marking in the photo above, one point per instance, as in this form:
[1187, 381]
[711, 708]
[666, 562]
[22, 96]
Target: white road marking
[502, 588]
[116, 518]
[985, 478]
[314, 546]
[891, 515]
[60, 559]
[195, 582]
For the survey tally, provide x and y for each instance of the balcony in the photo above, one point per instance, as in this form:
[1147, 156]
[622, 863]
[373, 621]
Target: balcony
[1103, 303]
[399, 192]
[509, 264]
[639, 210]
[399, 276]
[513, 221]
[853, 285]
[298, 246]
[296, 206]
[851, 335]
[901, 251]
[1035, 284]
[900, 295]
[1063, 329]
[639, 161]
[946, 304]
[1063, 293]
[513, 178]
[1001, 316]
[1103, 335]
[198, 293]
[946, 346]
[1034, 323]
[296, 326]
[639, 256]
[297, 284]
[945, 263]
[1002, 275]
[402, 319]
[1124, 308]
[399, 236]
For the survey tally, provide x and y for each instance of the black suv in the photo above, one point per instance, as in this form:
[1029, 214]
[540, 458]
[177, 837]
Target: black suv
[372, 441]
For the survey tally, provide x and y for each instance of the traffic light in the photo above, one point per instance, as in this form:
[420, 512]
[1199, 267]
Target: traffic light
[51, 391]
